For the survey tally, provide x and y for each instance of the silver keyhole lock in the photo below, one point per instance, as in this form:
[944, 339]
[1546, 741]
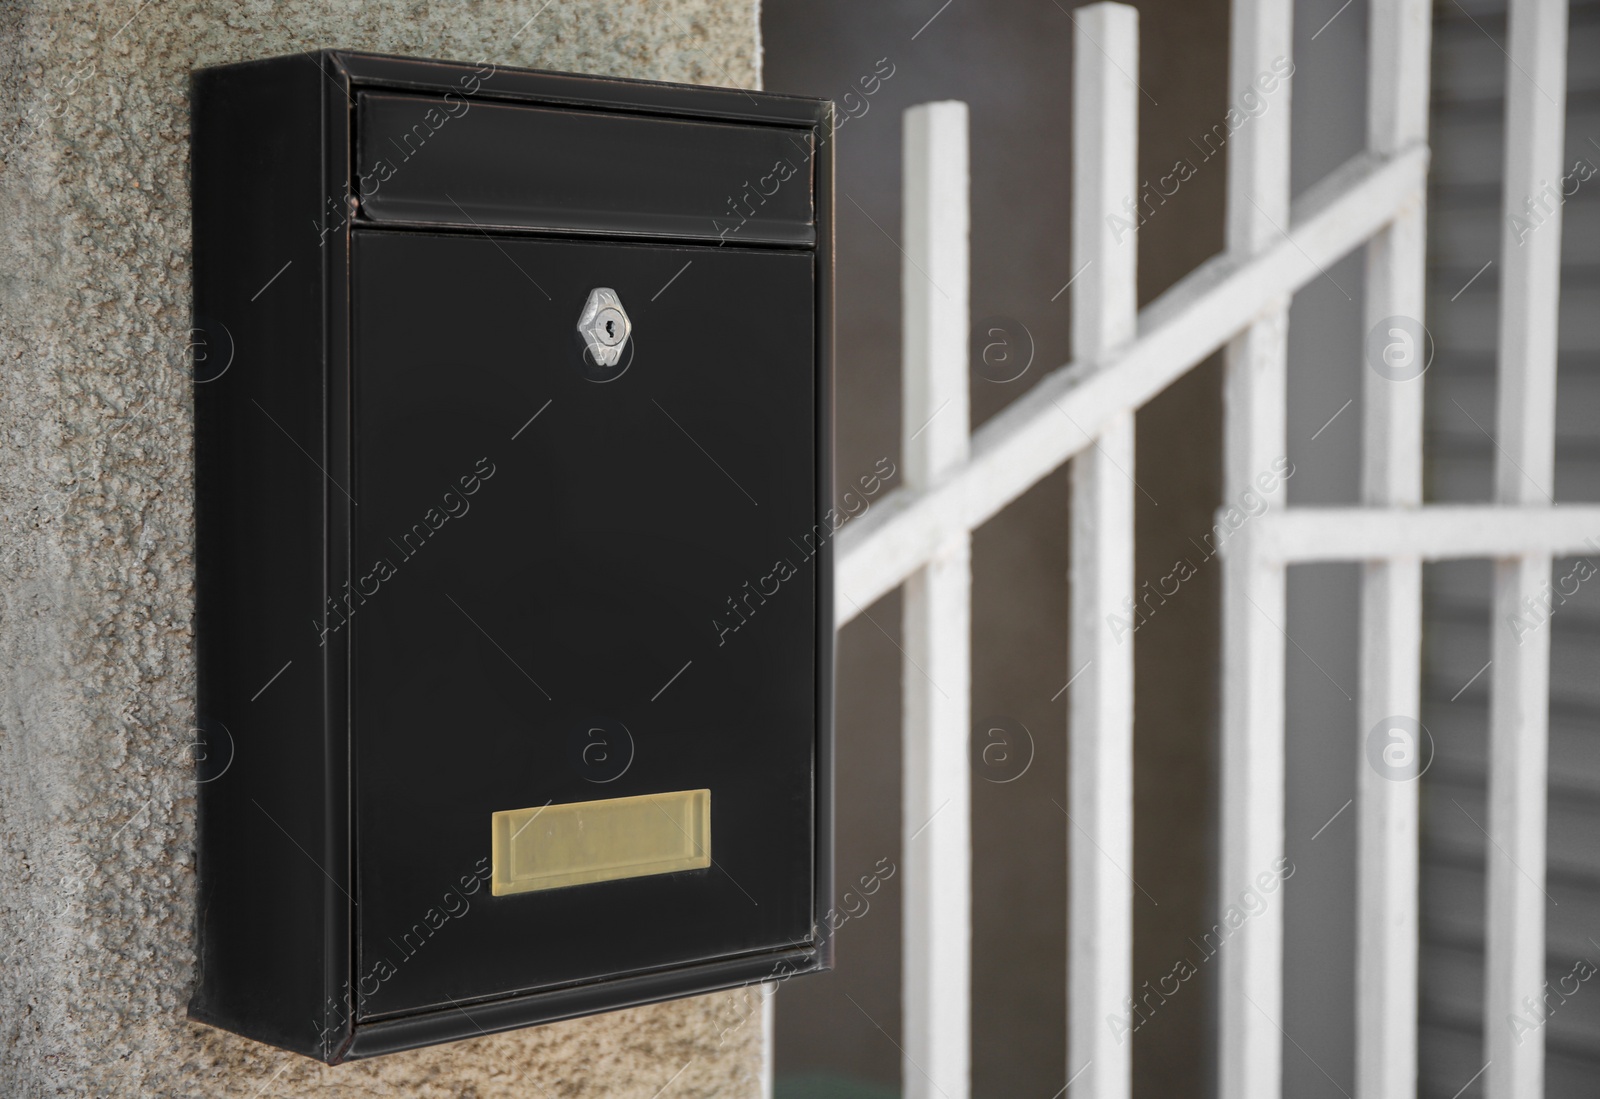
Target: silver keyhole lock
[605, 326]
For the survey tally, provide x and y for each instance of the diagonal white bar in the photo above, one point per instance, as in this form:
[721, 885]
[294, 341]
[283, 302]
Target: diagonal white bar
[1391, 589]
[1017, 447]
[1105, 116]
[1253, 597]
[1519, 684]
[936, 814]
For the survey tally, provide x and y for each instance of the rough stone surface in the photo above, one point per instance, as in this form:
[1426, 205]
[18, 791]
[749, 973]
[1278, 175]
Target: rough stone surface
[96, 536]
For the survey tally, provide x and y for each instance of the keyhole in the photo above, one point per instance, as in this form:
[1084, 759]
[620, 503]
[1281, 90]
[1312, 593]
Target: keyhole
[611, 329]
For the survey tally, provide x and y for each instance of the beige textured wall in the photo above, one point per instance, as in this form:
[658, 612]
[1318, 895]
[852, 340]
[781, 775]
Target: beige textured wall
[96, 536]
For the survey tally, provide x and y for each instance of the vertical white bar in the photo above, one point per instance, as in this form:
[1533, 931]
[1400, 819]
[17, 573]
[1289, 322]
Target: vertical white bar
[769, 1037]
[1105, 116]
[1253, 603]
[1519, 686]
[936, 817]
[1391, 753]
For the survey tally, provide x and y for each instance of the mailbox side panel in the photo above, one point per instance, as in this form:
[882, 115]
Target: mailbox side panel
[268, 855]
[822, 185]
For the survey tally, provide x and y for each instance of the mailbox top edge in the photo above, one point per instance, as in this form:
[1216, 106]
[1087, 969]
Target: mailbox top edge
[359, 69]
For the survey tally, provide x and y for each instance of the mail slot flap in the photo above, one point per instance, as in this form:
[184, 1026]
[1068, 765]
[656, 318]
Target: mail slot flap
[453, 160]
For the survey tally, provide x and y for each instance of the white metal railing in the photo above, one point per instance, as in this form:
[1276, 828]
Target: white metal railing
[1519, 687]
[938, 635]
[920, 536]
[1105, 310]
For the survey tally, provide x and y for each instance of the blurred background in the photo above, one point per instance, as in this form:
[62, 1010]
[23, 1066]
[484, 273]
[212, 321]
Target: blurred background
[1010, 60]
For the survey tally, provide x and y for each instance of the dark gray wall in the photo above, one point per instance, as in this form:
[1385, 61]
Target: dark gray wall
[1464, 233]
[1010, 62]
[1325, 371]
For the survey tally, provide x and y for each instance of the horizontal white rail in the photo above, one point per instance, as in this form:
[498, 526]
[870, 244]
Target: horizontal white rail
[1057, 418]
[1435, 533]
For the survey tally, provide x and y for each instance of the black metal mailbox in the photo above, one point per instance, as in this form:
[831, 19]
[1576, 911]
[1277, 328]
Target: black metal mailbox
[514, 571]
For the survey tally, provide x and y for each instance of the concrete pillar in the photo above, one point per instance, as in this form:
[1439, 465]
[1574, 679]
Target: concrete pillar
[96, 550]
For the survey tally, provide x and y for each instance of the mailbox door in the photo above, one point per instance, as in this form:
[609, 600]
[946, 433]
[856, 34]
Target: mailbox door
[572, 584]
